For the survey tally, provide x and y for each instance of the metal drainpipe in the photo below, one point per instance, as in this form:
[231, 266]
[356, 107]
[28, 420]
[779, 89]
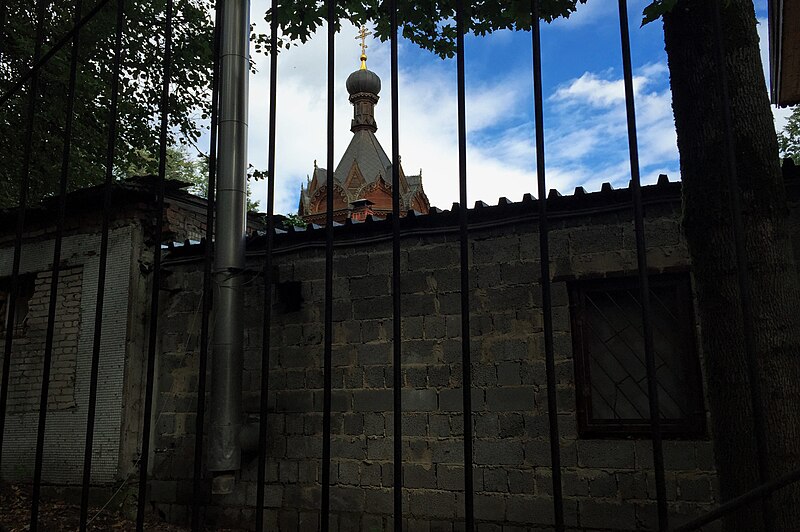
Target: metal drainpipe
[229, 258]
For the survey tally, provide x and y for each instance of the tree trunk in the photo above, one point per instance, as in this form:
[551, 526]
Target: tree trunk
[698, 109]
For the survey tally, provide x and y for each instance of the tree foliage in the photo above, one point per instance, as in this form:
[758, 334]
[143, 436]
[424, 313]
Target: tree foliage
[789, 138]
[137, 133]
[429, 24]
[183, 166]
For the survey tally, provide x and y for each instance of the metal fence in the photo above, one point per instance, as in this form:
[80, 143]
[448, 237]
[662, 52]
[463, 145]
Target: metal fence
[71, 40]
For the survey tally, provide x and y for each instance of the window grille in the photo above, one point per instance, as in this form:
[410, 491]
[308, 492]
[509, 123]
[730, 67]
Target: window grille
[610, 373]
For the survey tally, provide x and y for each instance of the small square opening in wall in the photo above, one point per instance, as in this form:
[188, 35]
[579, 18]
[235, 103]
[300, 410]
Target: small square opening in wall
[610, 371]
[25, 285]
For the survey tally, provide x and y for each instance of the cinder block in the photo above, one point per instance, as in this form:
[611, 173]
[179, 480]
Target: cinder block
[511, 425]
[498, 452]
[521, 481]
[414, 425]
[419, 400]
[602, 514]
[495, 479]
[429, 503]
[419, 476]
[490, 507]
[603, 485]
[439, 426]
[349, 472]
[450, 477]
[374, 353]
[511, 399]
[606, 454]
[346, 498]
[439, 376]
[380, 449]
[373, 400]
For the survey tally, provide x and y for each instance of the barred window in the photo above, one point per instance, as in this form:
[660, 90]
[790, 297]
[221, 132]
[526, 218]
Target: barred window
[610, 371]
[21, 310]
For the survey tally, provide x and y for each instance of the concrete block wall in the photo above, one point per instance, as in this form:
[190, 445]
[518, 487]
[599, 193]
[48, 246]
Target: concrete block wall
[608, 483]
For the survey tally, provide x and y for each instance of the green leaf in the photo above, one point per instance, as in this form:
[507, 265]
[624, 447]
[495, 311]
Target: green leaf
[656, 10]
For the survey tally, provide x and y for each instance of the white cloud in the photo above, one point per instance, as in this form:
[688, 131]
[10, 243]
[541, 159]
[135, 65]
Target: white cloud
[585, 15]
[501, 165]
[586, 134]
[585, 123]
[596, 103]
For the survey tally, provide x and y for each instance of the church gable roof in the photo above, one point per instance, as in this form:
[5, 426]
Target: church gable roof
[367, 151]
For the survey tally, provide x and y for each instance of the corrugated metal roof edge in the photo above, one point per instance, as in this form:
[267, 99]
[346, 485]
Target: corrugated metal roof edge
[376, 229]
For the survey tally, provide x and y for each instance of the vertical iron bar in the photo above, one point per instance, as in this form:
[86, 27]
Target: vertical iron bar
[103, 261]
[466, 363]
[22, 207]
[644, 286]
[397, 361]
[328, 354]
[544, 259]
[745, 298]
[267, 320]
[208, 256]
[54, 276]
[156, 280]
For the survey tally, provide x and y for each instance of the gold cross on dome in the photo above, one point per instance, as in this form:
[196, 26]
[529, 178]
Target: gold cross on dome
[363, 33]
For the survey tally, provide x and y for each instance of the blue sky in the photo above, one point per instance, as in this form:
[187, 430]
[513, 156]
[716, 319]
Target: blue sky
[585, 128]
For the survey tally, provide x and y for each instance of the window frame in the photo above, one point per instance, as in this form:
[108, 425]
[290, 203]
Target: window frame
[693, 426]
[26, 283]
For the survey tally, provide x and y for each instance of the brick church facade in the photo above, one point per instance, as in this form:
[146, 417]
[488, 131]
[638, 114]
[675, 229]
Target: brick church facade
[362, 180]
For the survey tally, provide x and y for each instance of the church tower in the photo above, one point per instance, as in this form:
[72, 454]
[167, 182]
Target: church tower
[362, 180]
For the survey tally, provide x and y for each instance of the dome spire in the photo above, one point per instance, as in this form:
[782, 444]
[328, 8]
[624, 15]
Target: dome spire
[363, 33]
[363, 85]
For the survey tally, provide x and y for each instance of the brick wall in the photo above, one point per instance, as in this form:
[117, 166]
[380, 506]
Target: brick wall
[608, 483]
[69, 384]
[25, 379]
[185, 223]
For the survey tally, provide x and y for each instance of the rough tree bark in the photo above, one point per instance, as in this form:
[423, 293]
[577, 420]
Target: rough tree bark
[698, 109]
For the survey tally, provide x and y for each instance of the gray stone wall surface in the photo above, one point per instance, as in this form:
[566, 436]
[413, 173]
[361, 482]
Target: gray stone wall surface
[66, 418]
[608, 483]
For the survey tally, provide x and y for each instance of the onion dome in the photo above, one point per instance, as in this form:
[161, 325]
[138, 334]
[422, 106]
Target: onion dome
[363, 80]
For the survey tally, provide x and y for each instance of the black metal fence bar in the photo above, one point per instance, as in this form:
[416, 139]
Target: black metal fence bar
[742, 276]
[397, 361]
[267, 319]
[208, 294]
[54, 276]
[156, 279]
[22, 206]
[39, 62]
[544, 259]
[644, 285]
[101, 271]
[328, 340]
[466, 359]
